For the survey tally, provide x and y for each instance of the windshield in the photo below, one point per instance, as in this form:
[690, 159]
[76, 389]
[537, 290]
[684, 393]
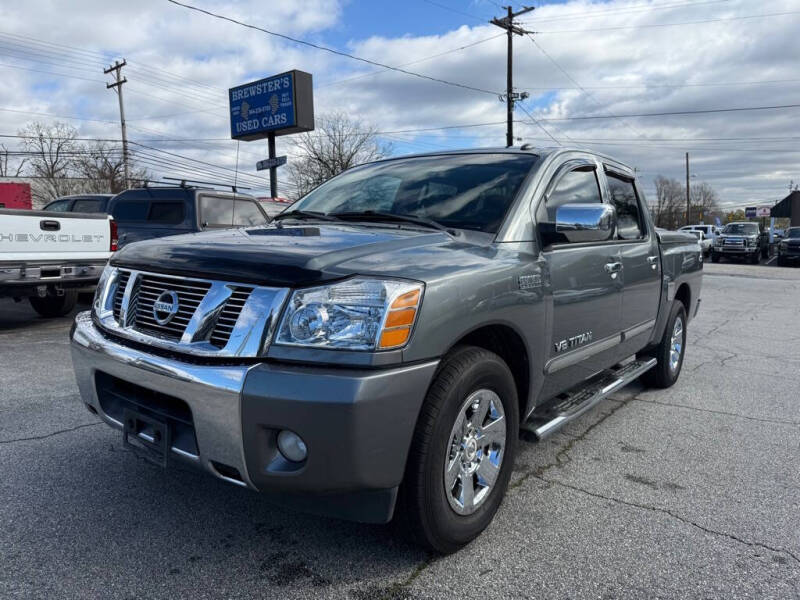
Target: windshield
[741, 228]
[463, 191]
[794, 232]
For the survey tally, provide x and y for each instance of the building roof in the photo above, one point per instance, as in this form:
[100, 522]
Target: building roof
[783, 209]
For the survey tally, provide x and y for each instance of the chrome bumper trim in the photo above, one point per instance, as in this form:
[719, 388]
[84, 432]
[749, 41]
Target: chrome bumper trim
[212, 392]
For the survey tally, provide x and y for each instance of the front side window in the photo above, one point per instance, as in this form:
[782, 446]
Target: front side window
[578, 186]
[462, 191]
[216, 211]
[624, 200]
[246, 214]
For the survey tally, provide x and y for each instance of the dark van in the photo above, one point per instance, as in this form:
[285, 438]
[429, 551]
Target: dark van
[152, 212]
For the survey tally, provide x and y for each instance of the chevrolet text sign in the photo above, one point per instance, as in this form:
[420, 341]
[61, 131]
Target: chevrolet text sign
[280, 105]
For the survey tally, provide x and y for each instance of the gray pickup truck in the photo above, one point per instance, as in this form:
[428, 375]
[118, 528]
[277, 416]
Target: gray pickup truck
[379, 346]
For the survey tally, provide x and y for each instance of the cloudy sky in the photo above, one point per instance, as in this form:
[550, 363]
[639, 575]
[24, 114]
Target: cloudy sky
[599, 74]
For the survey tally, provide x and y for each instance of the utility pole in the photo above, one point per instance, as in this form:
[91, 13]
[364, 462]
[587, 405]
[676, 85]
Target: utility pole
[117, 85]
[688, 208]
[507, 23]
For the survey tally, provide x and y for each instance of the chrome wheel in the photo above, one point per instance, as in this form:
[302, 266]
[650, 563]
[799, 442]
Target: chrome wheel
[676, 345]
[475, 451]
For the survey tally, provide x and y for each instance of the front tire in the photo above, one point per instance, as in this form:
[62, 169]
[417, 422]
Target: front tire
[463, 449]
[55, 306]
[754, 258]
[714, 257]
[670, 351]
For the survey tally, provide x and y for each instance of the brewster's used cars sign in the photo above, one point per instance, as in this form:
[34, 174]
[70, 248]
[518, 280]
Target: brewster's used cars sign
[281, 104]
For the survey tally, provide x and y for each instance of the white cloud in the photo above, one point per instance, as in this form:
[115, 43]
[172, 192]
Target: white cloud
[627, 71]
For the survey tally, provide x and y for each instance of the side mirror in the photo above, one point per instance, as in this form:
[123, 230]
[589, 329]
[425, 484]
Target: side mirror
[586, 222]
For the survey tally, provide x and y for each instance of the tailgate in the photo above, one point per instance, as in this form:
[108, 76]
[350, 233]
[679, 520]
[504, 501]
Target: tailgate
[27, 235]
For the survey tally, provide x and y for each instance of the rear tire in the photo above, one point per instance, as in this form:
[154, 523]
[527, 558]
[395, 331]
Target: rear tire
[670, 351]
[55, 306]
[466, 435]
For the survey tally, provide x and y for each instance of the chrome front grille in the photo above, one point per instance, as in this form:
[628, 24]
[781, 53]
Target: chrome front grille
[193, 316]
[226, 321]
[149, 288]
[734, 242]
[122, 281]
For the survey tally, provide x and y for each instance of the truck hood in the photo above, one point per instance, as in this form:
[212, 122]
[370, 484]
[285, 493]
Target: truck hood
[274, 255]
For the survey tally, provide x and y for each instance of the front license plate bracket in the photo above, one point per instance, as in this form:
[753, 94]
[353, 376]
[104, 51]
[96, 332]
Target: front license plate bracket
[146, 437]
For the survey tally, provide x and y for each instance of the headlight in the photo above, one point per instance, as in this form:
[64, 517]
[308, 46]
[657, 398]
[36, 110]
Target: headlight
[102, 304]
[718, 241]
[357, 314]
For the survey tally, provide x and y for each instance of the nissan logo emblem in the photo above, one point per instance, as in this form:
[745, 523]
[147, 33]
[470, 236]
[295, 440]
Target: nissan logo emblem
[165, 307]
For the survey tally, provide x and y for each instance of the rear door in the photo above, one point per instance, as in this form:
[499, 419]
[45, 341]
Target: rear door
[638, 246]
[585, 284]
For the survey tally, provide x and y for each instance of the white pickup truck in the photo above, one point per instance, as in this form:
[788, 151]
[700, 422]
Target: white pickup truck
[49, 257]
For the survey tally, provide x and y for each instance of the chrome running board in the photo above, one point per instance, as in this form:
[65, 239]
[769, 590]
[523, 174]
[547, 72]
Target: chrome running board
[553, 415]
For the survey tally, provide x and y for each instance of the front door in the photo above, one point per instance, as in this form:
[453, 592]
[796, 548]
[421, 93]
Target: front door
[585, 285]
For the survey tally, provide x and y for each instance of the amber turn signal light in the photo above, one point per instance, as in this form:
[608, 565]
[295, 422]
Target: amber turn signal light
[402, 313]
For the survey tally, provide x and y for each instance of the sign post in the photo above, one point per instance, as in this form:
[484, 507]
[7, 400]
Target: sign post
[277, 105]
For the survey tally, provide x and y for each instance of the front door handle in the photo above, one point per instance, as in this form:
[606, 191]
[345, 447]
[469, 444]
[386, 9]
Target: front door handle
[613, 268]
[653, 262]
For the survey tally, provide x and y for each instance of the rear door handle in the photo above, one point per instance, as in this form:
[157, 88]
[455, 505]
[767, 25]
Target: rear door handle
[613, 268]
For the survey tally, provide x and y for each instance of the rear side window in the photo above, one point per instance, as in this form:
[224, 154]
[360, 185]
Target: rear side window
[246, 213]
[575, 187]
[216, 212]
[89, 206]
[623, 197]
[168, 213]
[130, 210]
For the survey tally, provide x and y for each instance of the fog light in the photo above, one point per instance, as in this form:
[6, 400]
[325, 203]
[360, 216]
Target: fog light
[292, 446]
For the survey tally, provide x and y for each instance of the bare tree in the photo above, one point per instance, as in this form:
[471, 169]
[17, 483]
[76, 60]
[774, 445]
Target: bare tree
[6, 170]
[336, 144]
[52, 151]
[670, 202]
[101, 164]
[704, 200]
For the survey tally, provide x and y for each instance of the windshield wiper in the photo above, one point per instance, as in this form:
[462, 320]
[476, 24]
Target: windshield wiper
[378, 215]
[305, 214]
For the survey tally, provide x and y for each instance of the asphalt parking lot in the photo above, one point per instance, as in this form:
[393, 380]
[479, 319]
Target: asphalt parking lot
[691, 492]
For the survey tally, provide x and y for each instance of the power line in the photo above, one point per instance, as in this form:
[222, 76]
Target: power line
[647, 26]
[525, 110]
[455, 10]
[331, 50]
[622, 10]
[573, 80]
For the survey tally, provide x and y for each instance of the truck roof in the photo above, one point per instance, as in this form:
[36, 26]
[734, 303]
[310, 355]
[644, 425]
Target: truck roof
[541, 151]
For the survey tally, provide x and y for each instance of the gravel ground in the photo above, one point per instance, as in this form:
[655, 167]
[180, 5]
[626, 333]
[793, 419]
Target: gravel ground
[690, 492]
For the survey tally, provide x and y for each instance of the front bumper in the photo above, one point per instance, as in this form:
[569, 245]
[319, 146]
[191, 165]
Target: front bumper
[357, 424]
[739, 250]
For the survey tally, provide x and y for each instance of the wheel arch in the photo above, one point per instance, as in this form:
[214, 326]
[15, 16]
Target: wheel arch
[508, 344]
